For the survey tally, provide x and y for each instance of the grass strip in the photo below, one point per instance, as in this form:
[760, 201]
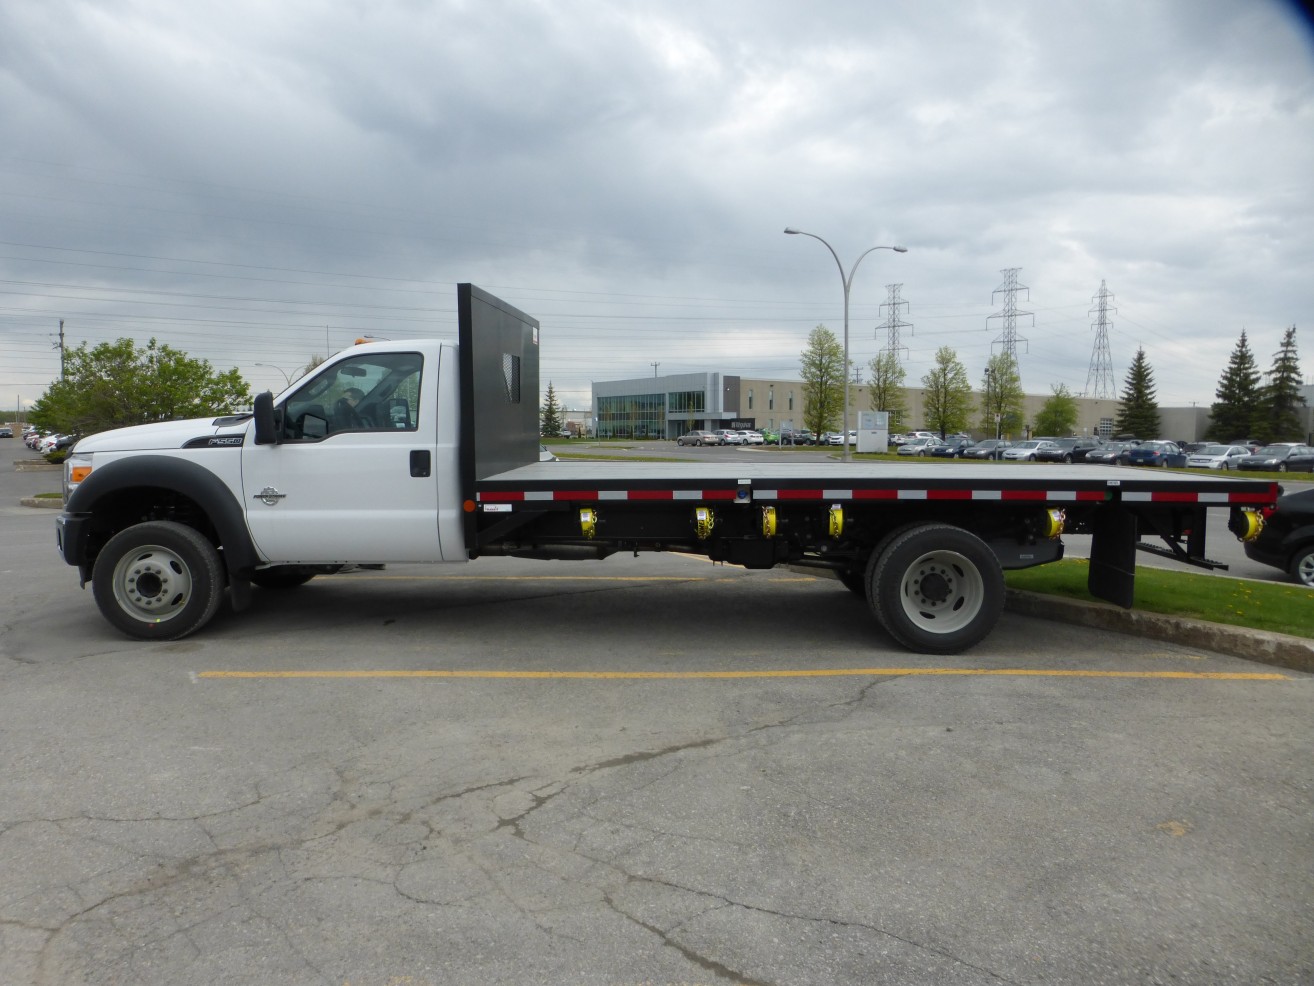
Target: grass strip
[1236, 602]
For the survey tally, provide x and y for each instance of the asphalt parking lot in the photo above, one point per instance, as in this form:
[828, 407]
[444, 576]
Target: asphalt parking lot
[638, 772]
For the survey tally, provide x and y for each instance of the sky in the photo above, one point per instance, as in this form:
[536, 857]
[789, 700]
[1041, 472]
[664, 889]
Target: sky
[260, 183]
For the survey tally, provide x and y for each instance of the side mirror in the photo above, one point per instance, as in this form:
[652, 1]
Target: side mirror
[266, 432]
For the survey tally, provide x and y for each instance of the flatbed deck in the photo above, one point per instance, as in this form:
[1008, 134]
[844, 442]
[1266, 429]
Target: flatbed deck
[758, 481]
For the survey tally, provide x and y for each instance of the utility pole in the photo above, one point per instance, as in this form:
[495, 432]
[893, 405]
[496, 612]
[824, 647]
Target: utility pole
[60, 346]
[654, 369]
[1009, 338]
[1101, 360]
[893, 322]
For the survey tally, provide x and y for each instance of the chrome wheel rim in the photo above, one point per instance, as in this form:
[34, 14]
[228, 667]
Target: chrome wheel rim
[152, 584]
[942, 592]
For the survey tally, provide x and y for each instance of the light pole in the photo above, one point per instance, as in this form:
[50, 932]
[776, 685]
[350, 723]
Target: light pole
[271, 366]
[847, 280]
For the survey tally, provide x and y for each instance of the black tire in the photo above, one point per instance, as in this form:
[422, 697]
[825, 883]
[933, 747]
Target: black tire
[1031, 458]
[935, 588]
[679, 441]
[1302, 565]
[158, 581]
[1282, 467]
[1067, 459]
[280, 577]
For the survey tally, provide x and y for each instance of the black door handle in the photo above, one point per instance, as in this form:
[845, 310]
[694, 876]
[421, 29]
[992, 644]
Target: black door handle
[420, 463]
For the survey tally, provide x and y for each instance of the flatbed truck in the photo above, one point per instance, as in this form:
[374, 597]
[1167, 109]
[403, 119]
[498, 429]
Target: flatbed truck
[428, 451]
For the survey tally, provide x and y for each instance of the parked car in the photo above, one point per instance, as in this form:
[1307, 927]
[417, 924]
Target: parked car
[1249, 443]
[794, 436]
[1279, 457]
[729, 436]
[1159, 453]
[770, 437]
[699, 438]
[545, 454]
[1216, 457]
[1027, 451]
[952, 448]
[6, 431]
[1287, 540]
[1110, 454]
[1073, 449]
[989, 448]
[919, 446]
[896, 439]
[751, 437]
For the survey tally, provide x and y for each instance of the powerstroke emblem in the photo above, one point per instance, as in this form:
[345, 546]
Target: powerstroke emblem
[215, 441]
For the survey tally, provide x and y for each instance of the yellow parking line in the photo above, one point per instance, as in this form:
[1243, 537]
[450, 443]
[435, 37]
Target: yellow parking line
[821, 673]
[561, 578]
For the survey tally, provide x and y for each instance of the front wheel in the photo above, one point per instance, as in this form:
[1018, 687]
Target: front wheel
[680, 442]
[937, 589]
[158, 581]
[1302, 566]
[1282, 467]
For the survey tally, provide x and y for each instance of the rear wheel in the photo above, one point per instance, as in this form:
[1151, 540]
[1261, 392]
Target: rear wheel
[936, 589]
[1302, 565]
[158, 581]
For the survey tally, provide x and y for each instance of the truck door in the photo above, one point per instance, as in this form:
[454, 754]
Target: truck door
[353, 478]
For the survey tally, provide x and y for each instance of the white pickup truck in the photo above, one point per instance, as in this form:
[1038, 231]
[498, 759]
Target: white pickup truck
[428, 451]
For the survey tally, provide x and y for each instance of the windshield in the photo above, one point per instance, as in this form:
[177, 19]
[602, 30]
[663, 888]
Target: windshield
[1215, 450]
[1278, 450]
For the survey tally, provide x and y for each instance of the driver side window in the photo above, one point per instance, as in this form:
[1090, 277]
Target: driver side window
[370, 392]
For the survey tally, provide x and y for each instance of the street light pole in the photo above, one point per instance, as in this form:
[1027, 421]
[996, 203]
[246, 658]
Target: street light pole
[847, 280]
[286, 379]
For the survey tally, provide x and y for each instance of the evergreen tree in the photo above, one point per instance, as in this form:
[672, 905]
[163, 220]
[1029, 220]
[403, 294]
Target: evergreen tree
[1002, 388]
[1058, 415]
[1238, 396]
[886, 387]
[1279, 420]
[1138, 411]
[551, 414]
[947, 393]
[823, 372]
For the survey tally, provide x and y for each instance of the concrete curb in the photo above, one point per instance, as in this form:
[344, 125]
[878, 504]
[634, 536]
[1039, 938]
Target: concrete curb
[46, 502]
[1278, 649]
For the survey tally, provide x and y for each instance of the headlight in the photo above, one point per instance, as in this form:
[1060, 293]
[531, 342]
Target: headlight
[76, 469]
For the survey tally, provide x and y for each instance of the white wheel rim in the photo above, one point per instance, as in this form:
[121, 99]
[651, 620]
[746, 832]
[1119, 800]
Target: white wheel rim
[152, 584]
[1305, 570]
[942, 592]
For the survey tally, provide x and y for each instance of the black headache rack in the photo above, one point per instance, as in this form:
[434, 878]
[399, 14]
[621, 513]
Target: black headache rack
[499, 391]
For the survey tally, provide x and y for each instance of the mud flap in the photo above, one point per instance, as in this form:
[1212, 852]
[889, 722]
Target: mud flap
[1113, 556]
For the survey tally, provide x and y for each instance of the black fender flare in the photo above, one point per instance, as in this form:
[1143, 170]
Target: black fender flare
[181, 476]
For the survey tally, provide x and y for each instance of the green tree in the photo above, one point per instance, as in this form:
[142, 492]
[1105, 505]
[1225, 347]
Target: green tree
[1234, 412]
[1058, 415]
[823, 370]
[1002, 389]
[1279, 420]
[947, 393]
[117, 384]
[886, 387]
[550, 414]
[1138, 411]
